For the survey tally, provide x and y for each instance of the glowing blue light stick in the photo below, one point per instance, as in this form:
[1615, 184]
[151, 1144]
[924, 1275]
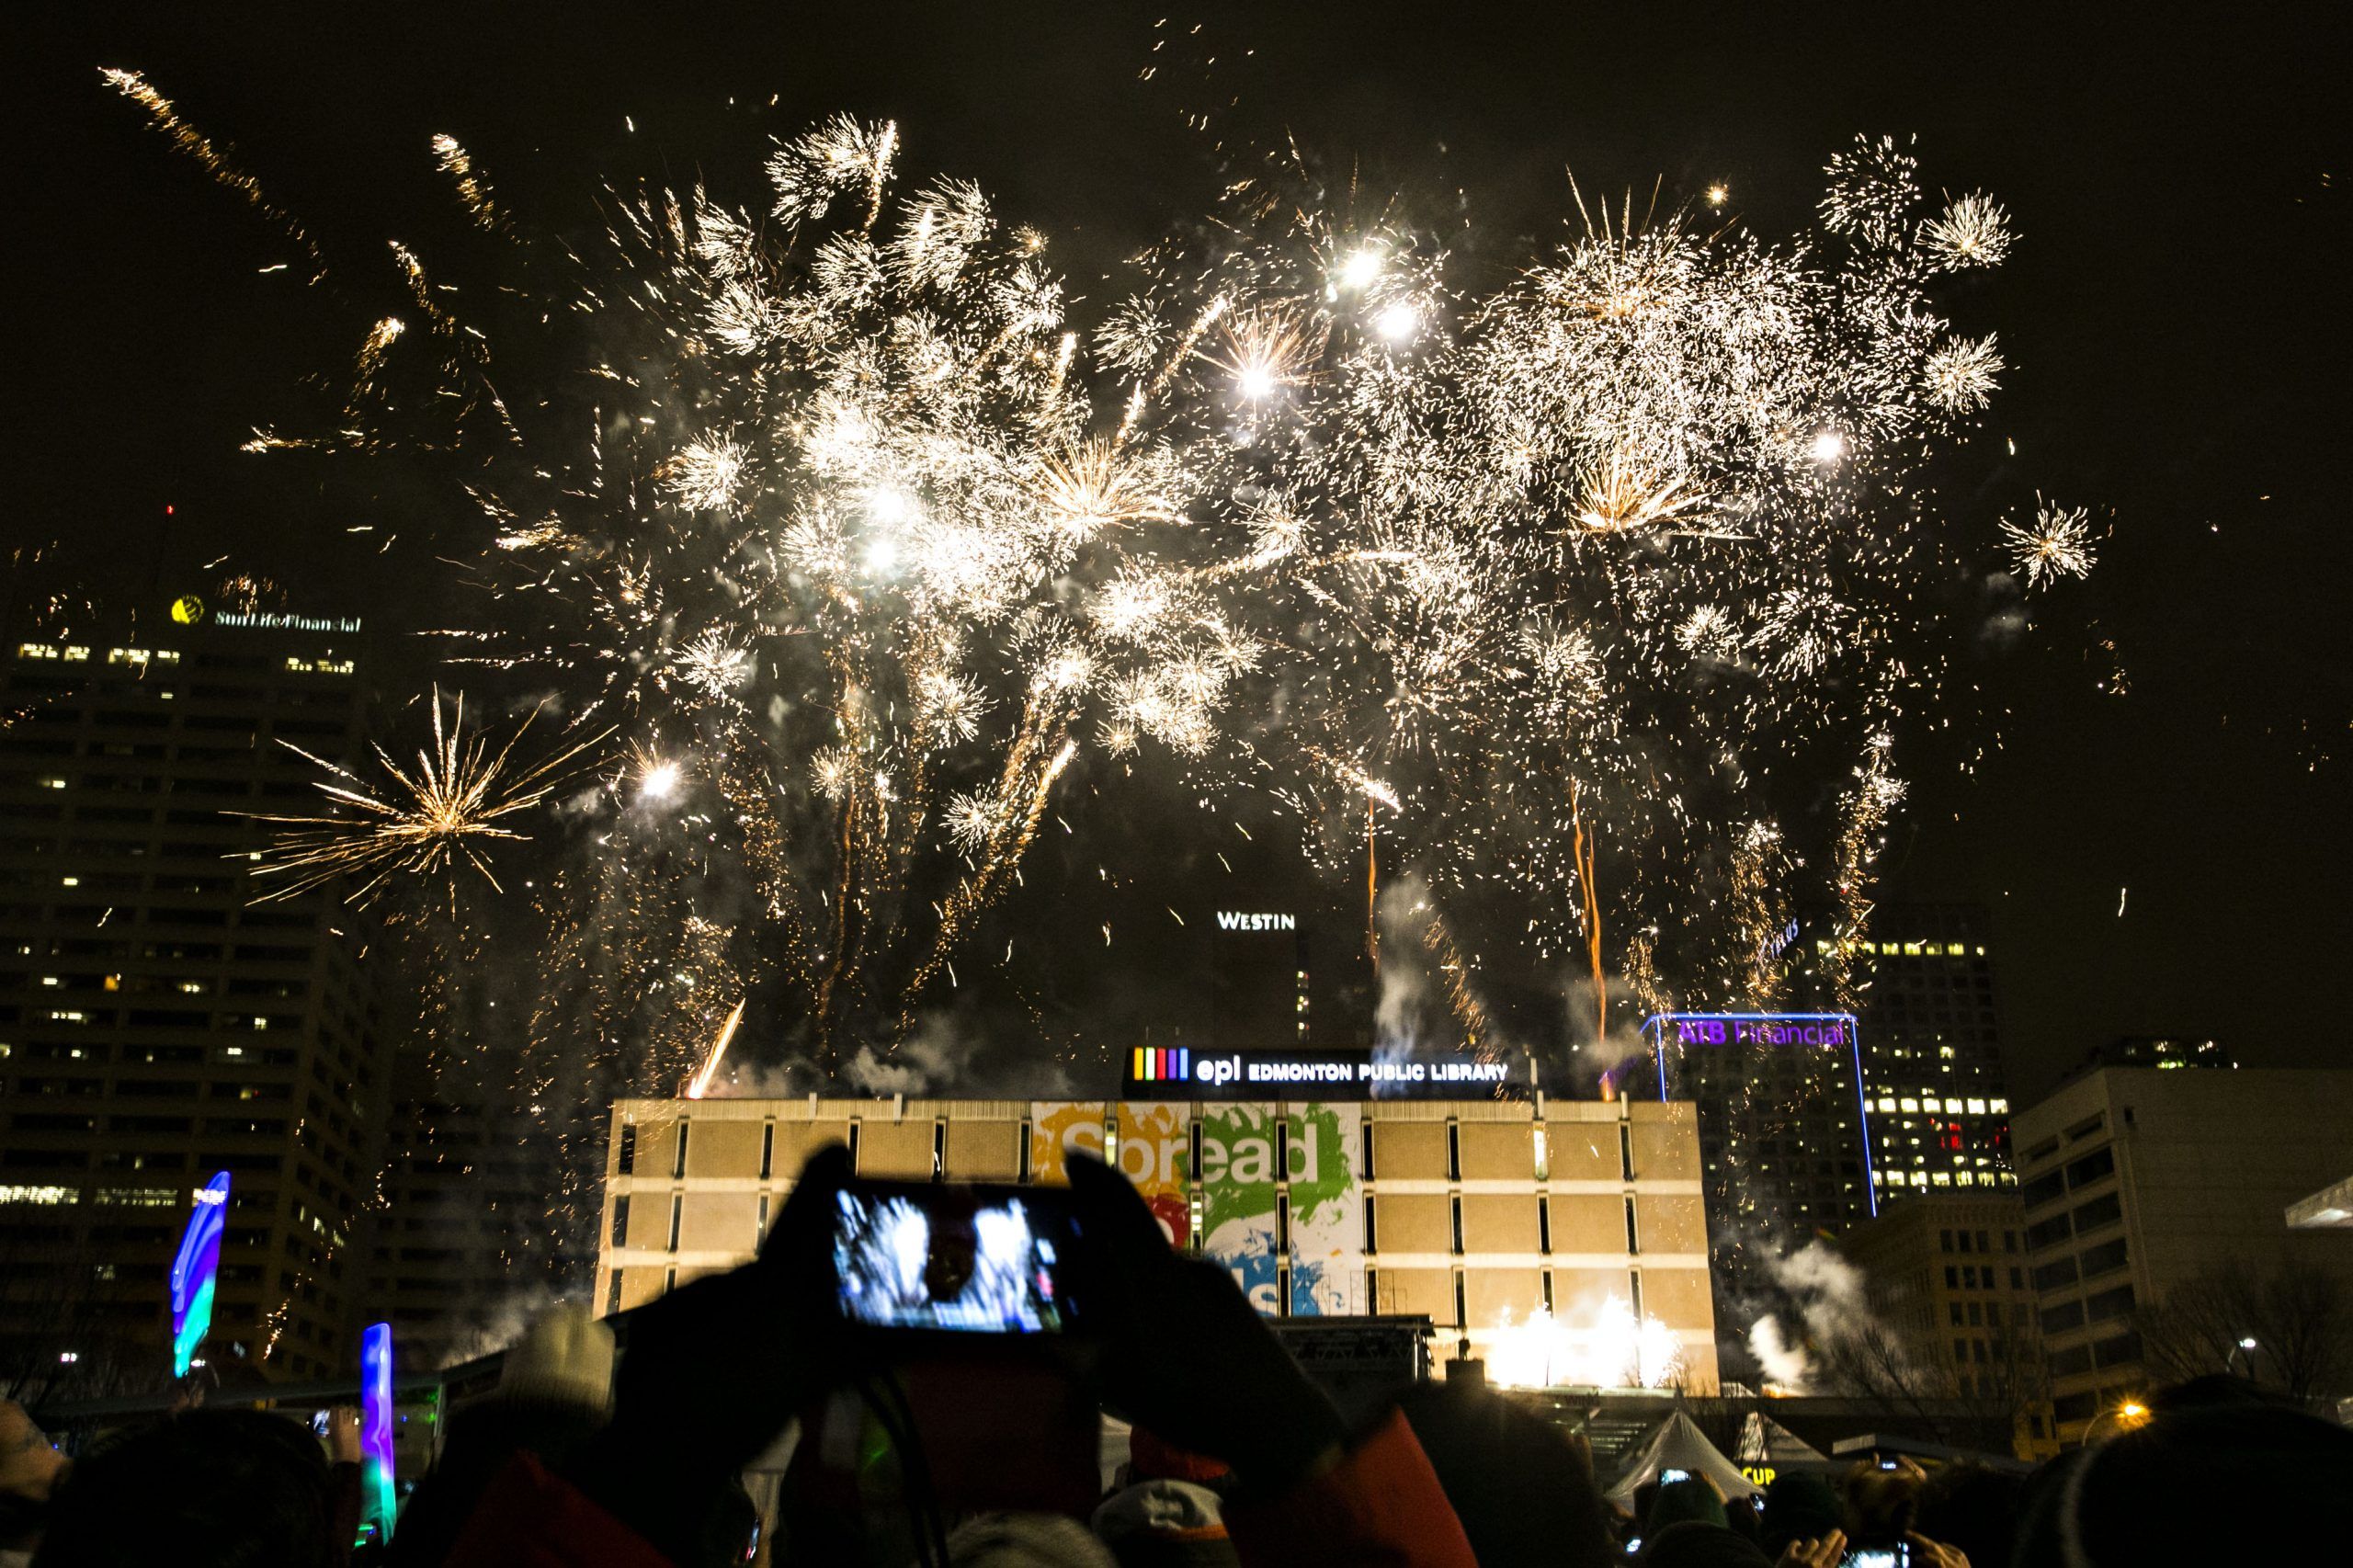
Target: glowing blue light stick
[376, 1499]
[195, 1270]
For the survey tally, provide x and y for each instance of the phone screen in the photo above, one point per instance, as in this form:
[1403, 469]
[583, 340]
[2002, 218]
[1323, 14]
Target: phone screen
[963, 1260]
[1667, 1477]
[1878, 1557]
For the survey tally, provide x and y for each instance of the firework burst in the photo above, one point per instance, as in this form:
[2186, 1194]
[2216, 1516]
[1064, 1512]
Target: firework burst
[2057, 544]
[833, 512]
[431, 816]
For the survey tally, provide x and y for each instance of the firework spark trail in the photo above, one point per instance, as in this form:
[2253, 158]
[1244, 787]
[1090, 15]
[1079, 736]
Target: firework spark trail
[213, 159]
[1589, 574]
[701, 1084]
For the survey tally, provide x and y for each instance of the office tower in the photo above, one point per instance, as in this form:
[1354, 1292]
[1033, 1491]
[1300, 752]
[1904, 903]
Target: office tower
[1946, 1275]
[1930, 1033]
[2142, 1186]
[156, 1025]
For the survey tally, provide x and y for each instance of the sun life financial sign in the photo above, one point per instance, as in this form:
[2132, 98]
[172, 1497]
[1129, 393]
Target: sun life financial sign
[275, 621]
[1182, 1074]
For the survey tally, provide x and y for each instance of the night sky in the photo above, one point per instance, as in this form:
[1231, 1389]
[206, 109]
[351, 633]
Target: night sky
[2174, 319]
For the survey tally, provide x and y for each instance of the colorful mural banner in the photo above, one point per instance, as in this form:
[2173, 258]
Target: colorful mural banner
[1057, 1126]
[1155, 1152]
[1327, 1211]
[1238, 1190]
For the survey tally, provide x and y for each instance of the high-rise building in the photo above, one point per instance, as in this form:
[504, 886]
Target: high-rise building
[2139, 1183]
[1478, 1214]
[1946, 1274]
[1783, 1134]
[156, 1023]
[1930, 1030]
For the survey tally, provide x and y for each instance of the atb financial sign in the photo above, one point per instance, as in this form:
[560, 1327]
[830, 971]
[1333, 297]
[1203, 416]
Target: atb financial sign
[1684, 1033]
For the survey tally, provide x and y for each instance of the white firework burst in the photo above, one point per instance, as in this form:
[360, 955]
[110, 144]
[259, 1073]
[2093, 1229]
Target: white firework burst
[973, 820]
[1973, 231]
[1960, 377]
[2057, 544]
[952, 706]
[1708, 633]
[714, 665]
[705, 475]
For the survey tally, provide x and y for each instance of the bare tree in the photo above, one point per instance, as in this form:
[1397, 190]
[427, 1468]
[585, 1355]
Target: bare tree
[2299, 1317]
[1972, 1406]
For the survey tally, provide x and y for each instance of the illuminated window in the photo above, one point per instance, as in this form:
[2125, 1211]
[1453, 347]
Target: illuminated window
[1968, 1179]
[1999, 1107]
[1908, 1103]
[1910, 949]
[1976, 1108]
[11, 1193]
[1887, 1102]
[1941, 1178]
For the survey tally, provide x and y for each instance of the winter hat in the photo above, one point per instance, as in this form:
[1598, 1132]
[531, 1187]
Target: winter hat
[1799, 1506]
[1025, 1541]
[1695, 1543]
[1165, 1524]
[566, 1358]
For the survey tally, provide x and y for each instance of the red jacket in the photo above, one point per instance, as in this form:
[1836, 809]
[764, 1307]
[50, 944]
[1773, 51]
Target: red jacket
[1378, 1508]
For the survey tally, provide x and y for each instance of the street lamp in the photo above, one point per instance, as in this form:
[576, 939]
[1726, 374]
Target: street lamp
[2124, 1418]
[2246, 1344]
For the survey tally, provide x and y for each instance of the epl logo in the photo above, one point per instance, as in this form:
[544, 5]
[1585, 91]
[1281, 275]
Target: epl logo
[1218, 1071]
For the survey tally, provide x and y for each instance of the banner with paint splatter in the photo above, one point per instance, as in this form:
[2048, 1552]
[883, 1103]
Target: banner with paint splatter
[1327, 1211]
[1057, 1126]
[1155, 1151]
[1238, 1188]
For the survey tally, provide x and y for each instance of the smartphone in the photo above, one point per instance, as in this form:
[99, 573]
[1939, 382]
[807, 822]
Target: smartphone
[1887, 1464]
[319, 1422]
[1667, 1476]
[968, 1259]
[1896, 1556]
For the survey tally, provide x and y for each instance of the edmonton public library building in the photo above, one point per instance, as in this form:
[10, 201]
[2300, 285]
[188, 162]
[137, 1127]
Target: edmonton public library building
[1329, 1184]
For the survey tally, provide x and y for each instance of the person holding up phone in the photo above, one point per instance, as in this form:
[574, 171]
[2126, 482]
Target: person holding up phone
[714, 1370]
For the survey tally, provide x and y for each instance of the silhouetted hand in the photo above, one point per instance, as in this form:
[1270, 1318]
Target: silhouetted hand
[1927, 1553]
[721, 1363]
[1184, 1354]
[343, 1436]
[714, 1369]
[1824, 1553]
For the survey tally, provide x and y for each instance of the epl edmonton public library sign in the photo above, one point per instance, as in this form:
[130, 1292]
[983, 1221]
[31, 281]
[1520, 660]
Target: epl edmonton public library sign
[1179, 1072]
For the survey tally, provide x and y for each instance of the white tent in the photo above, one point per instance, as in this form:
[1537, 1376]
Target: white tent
[1764, 1440]
[1679, 1444]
